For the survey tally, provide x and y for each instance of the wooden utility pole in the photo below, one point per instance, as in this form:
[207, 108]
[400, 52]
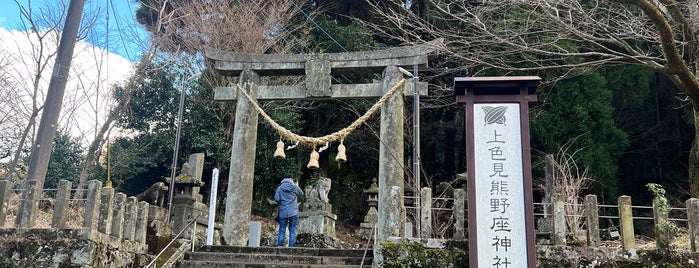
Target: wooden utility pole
[41, 149]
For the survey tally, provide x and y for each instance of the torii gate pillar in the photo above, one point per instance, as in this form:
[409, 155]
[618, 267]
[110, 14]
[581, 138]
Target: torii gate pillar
[242, 168]
[391, 219]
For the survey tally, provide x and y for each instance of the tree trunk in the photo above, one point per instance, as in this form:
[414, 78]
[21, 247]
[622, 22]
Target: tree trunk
[694, 158]
[15, 159]
[93, 152]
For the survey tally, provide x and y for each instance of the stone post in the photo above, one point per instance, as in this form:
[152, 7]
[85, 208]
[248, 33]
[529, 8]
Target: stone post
[62, 200]
[196, 169]
[107, 203]
[118, 215]
[141, 222]
[626, 223]
[92, 204]
[592, 220]
[459, 214]
[3, 201]
[25, 220]
[660, 218]
[130, 218]
[692, 205]
[391, 162]
[426, 213]
[255, 234]
[236, 219]
[559, 220]
[548, 184]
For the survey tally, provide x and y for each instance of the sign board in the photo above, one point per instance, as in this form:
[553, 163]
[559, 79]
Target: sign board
[500, 209]
[499, 189]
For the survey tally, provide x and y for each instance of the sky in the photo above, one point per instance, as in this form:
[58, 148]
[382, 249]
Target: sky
[103, 58]
[125, 33]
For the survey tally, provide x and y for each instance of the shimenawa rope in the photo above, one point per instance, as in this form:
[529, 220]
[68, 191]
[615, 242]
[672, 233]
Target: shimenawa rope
[338, 135]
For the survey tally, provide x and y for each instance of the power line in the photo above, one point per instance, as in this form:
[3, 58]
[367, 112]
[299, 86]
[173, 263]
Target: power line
[298, 40]
[317, 26]
[119, 29]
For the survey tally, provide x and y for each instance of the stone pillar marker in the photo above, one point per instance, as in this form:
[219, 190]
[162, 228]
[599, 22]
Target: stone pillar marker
[394, 218]
[62, 195]
[255, 234]
[459, 214]
[130, 214]
[3, 201]
[626, 222]
[499, 171]
[592, 220]
[196, 169]
[26, 220]
[236, 219]
[141, 222]
[107, 203]
[118, 215]
[92, 204]
[559, 220]
[662, 234]
[426, 213]
[692, 205]
[391, 160]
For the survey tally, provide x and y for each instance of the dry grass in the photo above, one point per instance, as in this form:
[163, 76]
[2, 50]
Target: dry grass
[44, 215]
[570, 181]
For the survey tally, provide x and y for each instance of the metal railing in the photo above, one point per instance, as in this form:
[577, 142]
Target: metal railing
[155, 259]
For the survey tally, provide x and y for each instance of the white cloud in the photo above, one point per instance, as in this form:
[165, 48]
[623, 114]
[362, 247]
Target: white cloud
[87, 97]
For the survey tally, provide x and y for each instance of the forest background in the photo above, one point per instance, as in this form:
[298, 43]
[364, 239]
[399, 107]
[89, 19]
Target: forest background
[624, 125]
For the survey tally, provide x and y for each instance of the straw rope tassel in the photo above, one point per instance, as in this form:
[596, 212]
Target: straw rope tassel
[341, 155]
[279, 153]
[313, 163]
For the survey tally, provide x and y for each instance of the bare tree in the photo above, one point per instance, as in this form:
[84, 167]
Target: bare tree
[251, 26]
[32, 57]
[570, 37]
[42, 32]
[183, 29]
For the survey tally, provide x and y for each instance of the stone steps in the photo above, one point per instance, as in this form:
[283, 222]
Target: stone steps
[226, 256]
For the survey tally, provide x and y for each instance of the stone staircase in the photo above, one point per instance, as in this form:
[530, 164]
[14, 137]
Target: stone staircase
[254, 257]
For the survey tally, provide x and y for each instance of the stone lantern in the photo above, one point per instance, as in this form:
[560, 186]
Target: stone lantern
[184, 198]
[372, 216]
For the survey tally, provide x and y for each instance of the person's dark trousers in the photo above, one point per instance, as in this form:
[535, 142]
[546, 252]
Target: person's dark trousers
[291, 223]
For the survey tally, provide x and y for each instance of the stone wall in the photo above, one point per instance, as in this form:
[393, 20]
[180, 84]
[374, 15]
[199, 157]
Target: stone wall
[112, 233]
[68, 248]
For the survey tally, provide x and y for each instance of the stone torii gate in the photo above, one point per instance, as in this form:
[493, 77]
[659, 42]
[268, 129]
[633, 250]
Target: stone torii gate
[318, 70]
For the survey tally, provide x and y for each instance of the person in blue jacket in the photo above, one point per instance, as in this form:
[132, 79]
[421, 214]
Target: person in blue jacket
[287, 195]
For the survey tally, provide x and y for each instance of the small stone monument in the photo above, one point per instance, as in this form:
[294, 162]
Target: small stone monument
[315, 215]
[372, 216]
[184, 198]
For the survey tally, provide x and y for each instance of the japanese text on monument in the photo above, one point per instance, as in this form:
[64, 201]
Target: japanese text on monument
[501, 223]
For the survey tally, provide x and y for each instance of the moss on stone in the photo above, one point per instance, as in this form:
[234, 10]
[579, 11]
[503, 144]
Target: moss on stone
[414, 254]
